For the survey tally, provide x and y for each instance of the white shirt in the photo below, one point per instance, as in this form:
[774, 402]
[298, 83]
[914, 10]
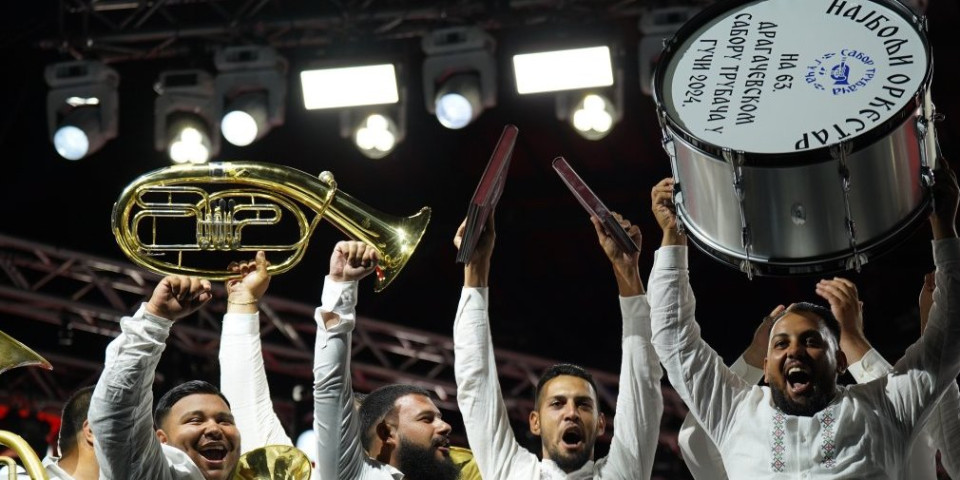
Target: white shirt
[243, 380]
[867, 429]
[340, 452]
[121, 408]
[495, 448]
[54, 472]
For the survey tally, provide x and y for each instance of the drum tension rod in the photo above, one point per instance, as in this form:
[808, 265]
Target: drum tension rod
[839, 152]
[736, 160]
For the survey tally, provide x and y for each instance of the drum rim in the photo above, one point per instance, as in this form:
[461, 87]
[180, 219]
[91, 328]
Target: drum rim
[820, 265]
[801, 157]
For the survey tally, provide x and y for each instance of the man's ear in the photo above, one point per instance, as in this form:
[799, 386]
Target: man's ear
[162, 436]
[535, 423]
[841, 362]
[87, 433]
[386, 434]
[765, 371]
[601, 424]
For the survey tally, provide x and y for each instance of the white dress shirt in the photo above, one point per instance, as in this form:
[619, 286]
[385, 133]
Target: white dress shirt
[495, 448]
[54, 472]
[867, 429]
[340, 452]
[121, 408]
[243, 380]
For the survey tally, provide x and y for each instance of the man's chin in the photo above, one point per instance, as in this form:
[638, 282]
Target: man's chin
[805, 405]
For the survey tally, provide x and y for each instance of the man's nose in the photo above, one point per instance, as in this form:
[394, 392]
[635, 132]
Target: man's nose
[571, 411]
[213, 429]
[444, 428]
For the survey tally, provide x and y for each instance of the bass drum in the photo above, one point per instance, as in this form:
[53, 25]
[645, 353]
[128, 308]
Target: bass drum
[799, 133]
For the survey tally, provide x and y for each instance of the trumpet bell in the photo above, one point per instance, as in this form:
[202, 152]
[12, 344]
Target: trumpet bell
[14, 354]
[192, 219]
[273, 462]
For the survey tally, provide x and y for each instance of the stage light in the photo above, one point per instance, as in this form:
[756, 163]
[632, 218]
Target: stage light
[81, 107]
[459, 74]
[593, 112]
[186, 112]
[558, 70]
[349, 86]
[251, 90]
[376, 135]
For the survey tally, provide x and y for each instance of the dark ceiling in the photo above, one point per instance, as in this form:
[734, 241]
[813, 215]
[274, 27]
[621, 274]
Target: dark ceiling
[553, 294]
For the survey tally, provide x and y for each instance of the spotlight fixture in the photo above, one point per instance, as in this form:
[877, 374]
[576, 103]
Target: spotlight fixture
[186, 112]
[81, 107]
[375, 132]
[251, 91]
[459, 74]
[343, 87]
[573, 69]
[592, 112]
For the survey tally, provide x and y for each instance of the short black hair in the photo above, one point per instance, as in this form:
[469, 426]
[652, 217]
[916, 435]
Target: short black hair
[72, 417]
[380, 403]
[563, 369]
[824, 313]
[175, 394]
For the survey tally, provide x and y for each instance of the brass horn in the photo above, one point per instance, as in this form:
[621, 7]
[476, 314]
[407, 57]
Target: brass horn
[253, 196]
[273, 462]
[15, 354]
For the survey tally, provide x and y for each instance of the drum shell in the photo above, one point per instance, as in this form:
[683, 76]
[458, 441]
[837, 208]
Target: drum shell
[796, 215]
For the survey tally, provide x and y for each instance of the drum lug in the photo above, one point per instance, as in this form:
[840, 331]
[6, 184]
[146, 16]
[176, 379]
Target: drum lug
[746, 266]
[926, 176]
[856, 262]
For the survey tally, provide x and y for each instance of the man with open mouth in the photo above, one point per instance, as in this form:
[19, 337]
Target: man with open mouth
[397, 432]
[804, 425]
[567, 412]
[192, 434]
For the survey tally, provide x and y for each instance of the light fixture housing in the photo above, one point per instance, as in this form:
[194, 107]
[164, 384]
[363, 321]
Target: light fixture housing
[459, 74]
[557, 70]
[81, 107]
[251, 92]
[657, 26]
[186, 97]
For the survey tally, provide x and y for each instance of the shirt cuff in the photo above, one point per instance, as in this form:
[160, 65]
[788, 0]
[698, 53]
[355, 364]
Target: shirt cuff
[946, 250]
[871, 366]
[241, 324]
[339, 298]
[744, 370]
[672, 257]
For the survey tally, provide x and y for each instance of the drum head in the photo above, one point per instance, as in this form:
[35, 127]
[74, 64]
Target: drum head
[787, 76]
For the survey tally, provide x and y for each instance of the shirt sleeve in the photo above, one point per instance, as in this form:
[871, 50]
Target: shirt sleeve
[700, 454]
[340, 453]
[932, 363]
[710, 390]
[120, 414]
[243, 380]
[485, 418]
[636, 422]
[944, 428]
[870, 367]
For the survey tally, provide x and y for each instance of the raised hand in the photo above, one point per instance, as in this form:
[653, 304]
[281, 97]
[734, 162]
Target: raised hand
[846, 306]
[665, 212]
[352, 260]
[624, 263]
[250, 284]
[477, 269]
[757, 350]
[177, 296]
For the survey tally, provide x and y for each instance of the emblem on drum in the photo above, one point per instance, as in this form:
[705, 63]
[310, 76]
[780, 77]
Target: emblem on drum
[841, 73]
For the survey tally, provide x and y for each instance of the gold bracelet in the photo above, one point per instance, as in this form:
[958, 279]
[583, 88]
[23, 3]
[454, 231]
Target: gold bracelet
[251, 302]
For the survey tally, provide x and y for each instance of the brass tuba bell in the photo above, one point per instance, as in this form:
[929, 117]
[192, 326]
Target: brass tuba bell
[273, 462]
[15, 354]
[251, 197]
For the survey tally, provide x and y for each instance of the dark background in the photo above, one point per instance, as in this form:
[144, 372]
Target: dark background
[553, 294]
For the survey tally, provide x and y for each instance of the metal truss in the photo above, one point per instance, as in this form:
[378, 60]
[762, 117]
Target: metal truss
[117, 30]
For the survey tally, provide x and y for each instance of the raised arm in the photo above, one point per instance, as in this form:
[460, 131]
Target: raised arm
[710, 390]
[243, 378]
[485, 417]
[639, 402]
[120, 414]
[340, 452]
[699, 452]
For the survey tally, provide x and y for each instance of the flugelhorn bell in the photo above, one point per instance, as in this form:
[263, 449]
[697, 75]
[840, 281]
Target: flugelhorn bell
[15, 354]
[273, 462]
[246, 208]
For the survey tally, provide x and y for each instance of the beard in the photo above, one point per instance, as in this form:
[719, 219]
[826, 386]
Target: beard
[572, 461]
[817, 401]
[422, 464]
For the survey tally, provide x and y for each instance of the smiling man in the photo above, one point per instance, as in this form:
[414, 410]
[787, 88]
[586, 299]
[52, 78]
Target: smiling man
[566, 414]
[195, 436]
[805, 425]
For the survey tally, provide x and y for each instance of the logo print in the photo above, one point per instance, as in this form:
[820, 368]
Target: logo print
[841, 72]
